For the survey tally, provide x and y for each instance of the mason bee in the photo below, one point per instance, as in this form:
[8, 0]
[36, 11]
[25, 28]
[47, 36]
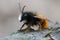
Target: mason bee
[32, 19]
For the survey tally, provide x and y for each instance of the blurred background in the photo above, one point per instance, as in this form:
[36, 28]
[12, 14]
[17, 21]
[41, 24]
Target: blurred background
[9, 12]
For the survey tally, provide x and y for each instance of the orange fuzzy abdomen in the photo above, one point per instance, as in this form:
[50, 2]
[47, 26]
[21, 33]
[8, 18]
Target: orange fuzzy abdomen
[45, 24]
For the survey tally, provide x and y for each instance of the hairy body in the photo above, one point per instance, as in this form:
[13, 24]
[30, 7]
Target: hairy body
[32, 19]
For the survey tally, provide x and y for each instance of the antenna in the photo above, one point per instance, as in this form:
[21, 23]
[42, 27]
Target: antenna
[23, 8]
[19, 6]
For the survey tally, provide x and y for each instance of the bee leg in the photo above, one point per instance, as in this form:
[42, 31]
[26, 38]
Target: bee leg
[40, 27]
[27, 29]
[22, 27]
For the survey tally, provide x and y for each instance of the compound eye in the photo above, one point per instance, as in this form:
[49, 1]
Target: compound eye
[25, 15]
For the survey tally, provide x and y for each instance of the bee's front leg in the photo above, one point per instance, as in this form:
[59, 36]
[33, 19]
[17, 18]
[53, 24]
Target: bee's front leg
[21, 27]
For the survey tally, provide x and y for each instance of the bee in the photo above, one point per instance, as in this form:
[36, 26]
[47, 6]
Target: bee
[32, 19]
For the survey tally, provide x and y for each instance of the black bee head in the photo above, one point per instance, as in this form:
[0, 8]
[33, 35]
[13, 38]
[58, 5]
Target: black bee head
[24, 17]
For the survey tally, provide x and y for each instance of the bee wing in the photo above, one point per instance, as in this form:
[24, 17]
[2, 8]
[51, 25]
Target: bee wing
[49, 20]
[36, 16]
